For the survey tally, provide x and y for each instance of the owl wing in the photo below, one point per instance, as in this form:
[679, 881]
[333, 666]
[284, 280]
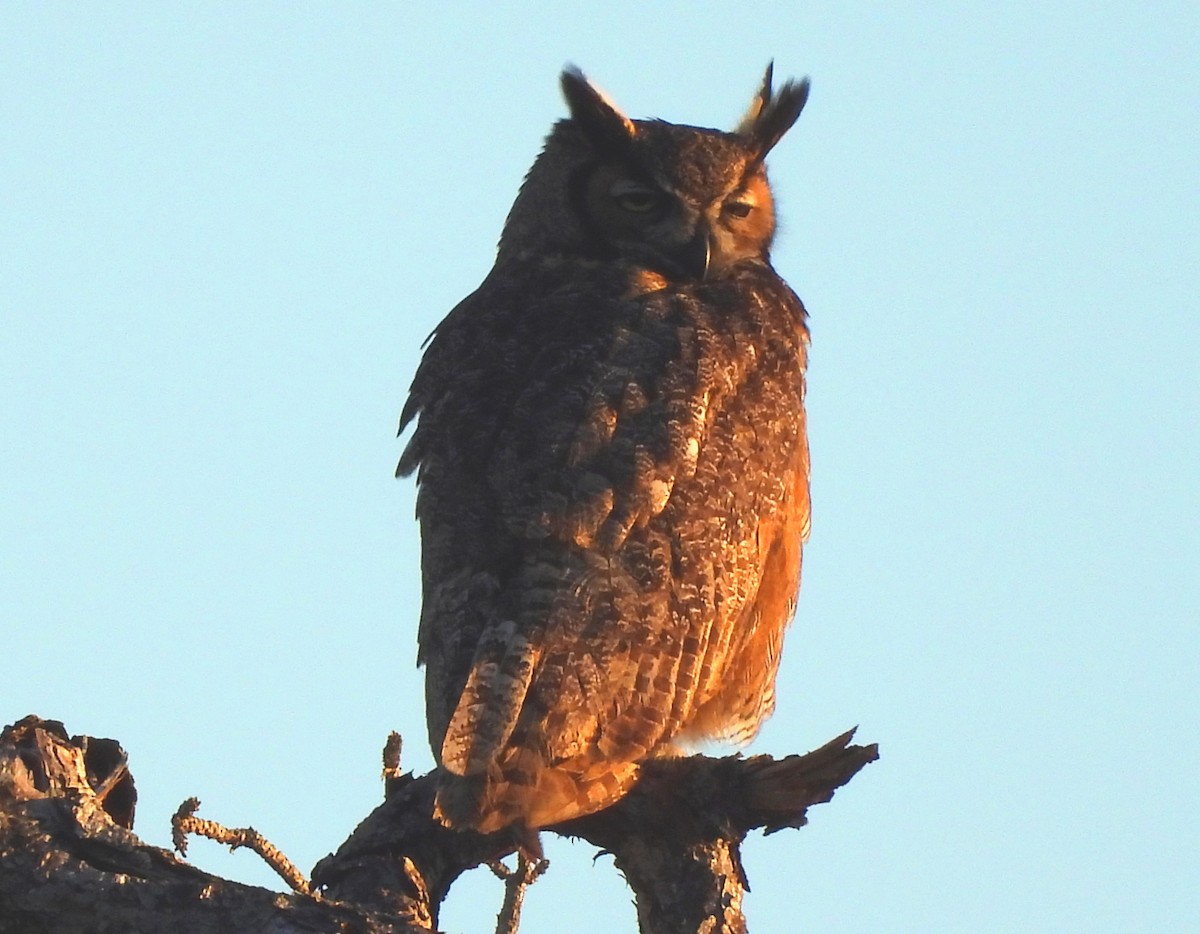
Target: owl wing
[572, 453]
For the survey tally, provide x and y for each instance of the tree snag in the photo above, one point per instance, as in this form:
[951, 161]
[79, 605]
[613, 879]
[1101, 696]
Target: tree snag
[70, 863]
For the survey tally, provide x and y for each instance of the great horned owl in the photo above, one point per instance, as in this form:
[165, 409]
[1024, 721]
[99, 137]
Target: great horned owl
[612, 467]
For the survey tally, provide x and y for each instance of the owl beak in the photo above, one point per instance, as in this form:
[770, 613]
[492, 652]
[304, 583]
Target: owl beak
[696, 255]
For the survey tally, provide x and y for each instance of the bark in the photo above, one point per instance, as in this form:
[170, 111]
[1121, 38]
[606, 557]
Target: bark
[69, 861]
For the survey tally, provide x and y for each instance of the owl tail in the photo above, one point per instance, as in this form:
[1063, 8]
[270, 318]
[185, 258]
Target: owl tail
[526, 793]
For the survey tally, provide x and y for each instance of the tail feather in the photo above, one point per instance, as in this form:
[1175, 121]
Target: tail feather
[532, 797]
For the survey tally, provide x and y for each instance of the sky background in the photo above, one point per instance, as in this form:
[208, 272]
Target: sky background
[225, 230]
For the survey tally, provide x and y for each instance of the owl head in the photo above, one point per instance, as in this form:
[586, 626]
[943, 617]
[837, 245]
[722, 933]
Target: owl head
[687, 202]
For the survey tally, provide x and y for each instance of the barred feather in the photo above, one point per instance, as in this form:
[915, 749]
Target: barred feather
[613, 470]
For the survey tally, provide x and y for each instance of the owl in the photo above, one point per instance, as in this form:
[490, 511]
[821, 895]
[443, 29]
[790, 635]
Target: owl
[612, 468]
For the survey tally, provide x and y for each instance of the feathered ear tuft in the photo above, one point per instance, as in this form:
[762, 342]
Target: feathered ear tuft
[772, 114]
[603, 124]
[761, 99]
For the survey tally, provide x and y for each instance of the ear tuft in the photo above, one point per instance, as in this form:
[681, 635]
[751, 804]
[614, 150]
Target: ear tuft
[599, 118]
[772, 114]
[761, 99]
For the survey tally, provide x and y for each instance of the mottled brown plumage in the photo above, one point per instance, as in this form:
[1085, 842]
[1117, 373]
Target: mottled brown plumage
[613, 468]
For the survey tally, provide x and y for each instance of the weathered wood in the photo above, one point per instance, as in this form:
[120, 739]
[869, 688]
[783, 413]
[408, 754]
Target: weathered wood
[69, 861]
[67, 867]
[675, 836]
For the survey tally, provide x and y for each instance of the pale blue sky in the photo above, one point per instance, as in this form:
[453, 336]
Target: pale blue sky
[225, 230]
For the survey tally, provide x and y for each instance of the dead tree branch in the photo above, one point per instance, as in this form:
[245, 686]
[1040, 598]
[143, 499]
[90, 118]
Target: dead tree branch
[186, 822]
[68, 857]
[70, 865]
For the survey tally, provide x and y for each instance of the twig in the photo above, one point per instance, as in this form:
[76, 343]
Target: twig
[393, 778]
[516, 881]
[185, 822]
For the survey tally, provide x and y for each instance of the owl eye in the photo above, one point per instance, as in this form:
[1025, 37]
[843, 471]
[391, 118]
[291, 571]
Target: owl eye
[635, 198]
[738, 208]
